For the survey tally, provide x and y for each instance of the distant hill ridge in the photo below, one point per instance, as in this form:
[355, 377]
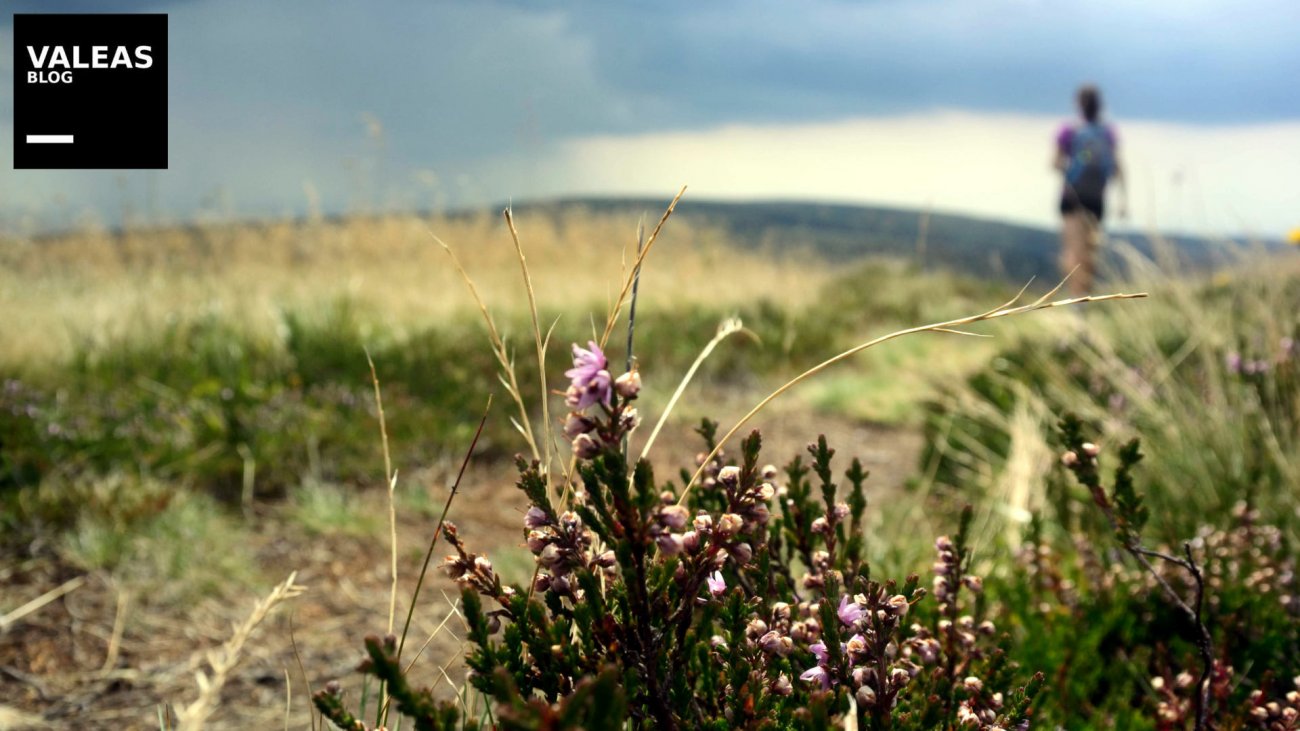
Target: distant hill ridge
[980, 247]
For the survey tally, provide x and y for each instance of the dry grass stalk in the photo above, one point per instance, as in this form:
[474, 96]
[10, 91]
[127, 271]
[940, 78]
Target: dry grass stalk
[1008, 309]
[12, 618]
[540, 342]
[725, 329]
[224, 659]
[507, 376]
[631, 277]
[390, 477]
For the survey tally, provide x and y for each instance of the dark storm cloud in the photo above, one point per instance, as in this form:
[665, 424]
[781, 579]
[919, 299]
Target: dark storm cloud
[265, 95]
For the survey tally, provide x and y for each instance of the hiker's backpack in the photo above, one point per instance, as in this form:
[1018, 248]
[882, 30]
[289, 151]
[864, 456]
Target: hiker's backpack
[1092, 161]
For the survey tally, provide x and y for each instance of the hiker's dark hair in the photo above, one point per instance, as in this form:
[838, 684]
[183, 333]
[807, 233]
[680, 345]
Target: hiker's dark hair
[1089, 98]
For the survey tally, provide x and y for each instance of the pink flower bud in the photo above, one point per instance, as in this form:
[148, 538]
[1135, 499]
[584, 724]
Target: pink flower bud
[585, 447]
[729, 475]
[628, 385]
[866, 696]
[691, 542]
[742, 553]
[535, 518]
[538, 540]
[551, 556]
[674, 516]
[577, 424]
[670, 544]
[730, 524]
[570, 521]
[454, 567]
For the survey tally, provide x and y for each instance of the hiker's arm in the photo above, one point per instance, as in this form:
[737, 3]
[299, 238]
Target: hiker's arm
[1122, 183]
[1061, 151]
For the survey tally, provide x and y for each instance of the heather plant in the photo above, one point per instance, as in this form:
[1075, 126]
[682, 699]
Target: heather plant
[742, 603]
[736, 596]
[1205, 376]
[1204, 634]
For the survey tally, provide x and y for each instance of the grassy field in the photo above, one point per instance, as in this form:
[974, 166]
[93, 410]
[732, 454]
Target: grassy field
[178, 402]
[187, 415]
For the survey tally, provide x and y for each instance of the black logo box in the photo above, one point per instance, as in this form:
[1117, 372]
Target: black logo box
[117, 117]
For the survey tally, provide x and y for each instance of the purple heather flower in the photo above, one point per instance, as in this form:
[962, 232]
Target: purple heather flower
[849, 612]
[535, 518]
[819, 675]
[1233, 362]
[589, 379]
[717, 584]
[819, 649]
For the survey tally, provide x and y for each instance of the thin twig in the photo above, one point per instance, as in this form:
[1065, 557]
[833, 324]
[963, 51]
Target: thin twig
[455, 487]
[631, 310]
[1131, 543]
[297, 658]
[1204, 642]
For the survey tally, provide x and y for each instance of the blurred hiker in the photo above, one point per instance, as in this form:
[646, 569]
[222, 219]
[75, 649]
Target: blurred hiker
[1086, 156]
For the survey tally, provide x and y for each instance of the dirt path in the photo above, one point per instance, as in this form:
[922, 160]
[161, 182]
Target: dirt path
[91, 659]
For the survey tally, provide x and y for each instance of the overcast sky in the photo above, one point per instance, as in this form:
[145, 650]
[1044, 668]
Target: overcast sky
[948, 104]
